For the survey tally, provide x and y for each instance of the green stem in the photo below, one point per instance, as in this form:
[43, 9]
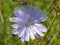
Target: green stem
[4, 31]
[48, 30]
[1, 17]
[26, 43]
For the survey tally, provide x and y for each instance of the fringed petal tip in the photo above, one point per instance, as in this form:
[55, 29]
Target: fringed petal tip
[14, 19]
[15, 26]
[16, 9]
[10, 19]
[45, 18]
[15, 32]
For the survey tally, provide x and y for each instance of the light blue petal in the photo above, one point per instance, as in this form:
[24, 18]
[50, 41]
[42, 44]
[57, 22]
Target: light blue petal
[26, 34]
[38, 15]
[18, 12]
[35, 14]
[27, 10]
[37, 31]
[14, 19]
[32, 33]
[20, 20]
[21, 31]
[41, 27]
[22, 38]
[15, 25]
[15, 31]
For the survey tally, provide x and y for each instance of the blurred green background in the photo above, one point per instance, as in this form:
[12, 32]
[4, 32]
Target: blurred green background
[50, 7]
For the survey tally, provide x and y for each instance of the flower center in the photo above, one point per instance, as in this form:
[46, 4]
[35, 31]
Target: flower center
[28, 23]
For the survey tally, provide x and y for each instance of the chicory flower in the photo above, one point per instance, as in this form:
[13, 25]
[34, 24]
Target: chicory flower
[28, 23]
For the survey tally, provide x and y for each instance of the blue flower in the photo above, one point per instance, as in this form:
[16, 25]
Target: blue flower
[28, 23]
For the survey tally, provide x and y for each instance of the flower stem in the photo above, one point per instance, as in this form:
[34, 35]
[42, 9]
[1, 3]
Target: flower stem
[26, 43]
[48, 30]
[1, 17]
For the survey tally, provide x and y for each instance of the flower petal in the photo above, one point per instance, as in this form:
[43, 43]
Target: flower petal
[17, 20]
[15, 26]
[37, 31]
[21, 32]
[26, 34]
[31, 34]
[27, 10]
[14, 19]
[38, 15]
[34, 32]
[15, 31]
[18, 12]
[41, 27]
[22, 38]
